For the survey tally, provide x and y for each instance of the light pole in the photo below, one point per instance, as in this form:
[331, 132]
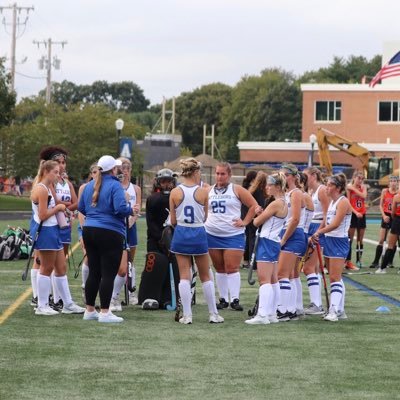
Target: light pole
[313, 139]
[119, 125]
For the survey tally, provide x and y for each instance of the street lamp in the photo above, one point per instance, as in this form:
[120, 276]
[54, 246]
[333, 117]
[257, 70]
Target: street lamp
[119, 125]
[313, 139]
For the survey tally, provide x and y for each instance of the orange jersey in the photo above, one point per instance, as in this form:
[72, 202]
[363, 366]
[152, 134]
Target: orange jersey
[397, 211]
[357, 202]
[387, 201]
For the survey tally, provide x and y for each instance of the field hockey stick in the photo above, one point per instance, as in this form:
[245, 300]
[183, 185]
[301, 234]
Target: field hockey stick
[77, 270]
[253, 260]
[172, 306]
[357, 273]
[307, 255]
[321, 267]
[26, 271]
[178, 310]
[126, 285]
[253, 311]
[193, 282]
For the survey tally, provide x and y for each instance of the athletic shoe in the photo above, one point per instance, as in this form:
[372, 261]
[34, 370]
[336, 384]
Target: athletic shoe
[109, 318]
[185, 320]
[359, 264]
[380, 271]
[312, 309]
[215, 319]
[293, 316]
[236, 306]
[257, 320]
[331, 316]
[115, 305]
[300, 312]
[374, 265]
[390, 266]
[273, 319]
[341, 315]
[133, 299]
[245, 266]
[72, 309]
[91, 315]
[34, 301]
[222, 304]
[56, 306]
[46, 310]
[282, 317]
[350, 266]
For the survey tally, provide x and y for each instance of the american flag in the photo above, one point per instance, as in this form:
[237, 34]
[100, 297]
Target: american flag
[390, 69]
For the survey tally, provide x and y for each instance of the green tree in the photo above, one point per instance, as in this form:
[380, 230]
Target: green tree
[264, 108]
[121, 96]
[202, 106]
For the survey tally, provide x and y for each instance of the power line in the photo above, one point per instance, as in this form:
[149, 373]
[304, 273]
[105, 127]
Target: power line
[15, 23]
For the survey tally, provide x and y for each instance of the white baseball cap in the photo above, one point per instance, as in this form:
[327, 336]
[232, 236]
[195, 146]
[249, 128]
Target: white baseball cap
[107, 163]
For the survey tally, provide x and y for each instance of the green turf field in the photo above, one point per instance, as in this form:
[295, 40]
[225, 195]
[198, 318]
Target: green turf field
[149, 356]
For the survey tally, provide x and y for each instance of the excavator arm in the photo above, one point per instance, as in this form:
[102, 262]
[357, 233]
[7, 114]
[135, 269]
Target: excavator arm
[326, 138]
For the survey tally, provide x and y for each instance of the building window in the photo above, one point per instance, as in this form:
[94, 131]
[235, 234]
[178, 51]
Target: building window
[389, 111]
[328, 110]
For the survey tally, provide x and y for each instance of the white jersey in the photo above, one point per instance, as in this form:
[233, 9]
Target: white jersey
[318, 211]
[190, 212]
[289, 216]
[224, 207]
[51, 221]
[308, 217]
[132, 193]
[63, 191]
[342, 230]
[272, 228]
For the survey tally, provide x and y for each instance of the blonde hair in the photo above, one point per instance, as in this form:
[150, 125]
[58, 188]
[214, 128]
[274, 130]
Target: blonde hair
[356, 173]
[314, 171]
[44, 166]
[226, 165]
[125, 160]
[189, 166]
[277, 179]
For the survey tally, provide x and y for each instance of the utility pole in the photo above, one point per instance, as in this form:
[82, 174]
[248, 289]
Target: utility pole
[15, 21]
[43, 62]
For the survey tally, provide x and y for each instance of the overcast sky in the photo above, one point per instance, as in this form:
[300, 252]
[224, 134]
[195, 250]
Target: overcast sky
[171, 46]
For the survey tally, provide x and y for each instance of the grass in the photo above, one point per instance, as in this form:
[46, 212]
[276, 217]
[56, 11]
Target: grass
[149, 356]
[13, 203]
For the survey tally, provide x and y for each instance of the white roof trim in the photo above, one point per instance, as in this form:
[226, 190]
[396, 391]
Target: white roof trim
[347, 87]
[301, 146]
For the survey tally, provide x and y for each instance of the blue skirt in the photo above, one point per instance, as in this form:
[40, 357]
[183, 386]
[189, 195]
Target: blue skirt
[65, 235]
[336, 247]
[236, 242]
[132, 236]
[189, 241]
[267, 250]
[296, 243]
[48, 239]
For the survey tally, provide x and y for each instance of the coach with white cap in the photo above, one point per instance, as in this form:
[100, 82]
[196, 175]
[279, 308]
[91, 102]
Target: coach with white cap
[105, 207]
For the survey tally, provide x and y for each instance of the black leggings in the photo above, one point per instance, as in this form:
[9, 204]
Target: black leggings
[104, 251]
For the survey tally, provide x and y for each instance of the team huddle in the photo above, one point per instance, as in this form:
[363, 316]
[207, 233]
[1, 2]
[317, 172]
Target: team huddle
[295, 220]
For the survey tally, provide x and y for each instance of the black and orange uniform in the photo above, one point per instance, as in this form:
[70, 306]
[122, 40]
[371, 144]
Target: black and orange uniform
[358, 204]
[394, 234]
[387, 207]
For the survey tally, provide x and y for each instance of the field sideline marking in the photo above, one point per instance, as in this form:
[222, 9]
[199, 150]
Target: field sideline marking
[10, 310]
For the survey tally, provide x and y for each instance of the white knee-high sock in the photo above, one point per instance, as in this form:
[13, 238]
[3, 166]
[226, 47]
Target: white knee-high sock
[209, 295]
[299, 294]
[56, 294]
[85, 273]
[222, 285]
[133, 276]
[211, 274]
[186, 297]
[118, 284]
[341, 305]
[61, 283]
[314, 289]
[277, 297]
[234, 285]
[285, 293]
[43, 289]
[336, 295]
[265, 300]
[320, 287]
[34, 274]
[293, 294]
